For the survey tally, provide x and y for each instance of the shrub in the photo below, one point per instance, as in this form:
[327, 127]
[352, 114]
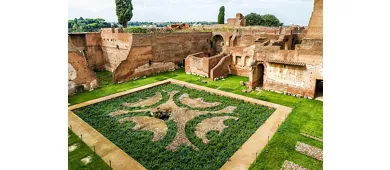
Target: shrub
[136, 30]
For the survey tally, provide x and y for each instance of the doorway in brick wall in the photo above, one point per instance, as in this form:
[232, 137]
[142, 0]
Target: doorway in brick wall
[319, 90]
[260, 74]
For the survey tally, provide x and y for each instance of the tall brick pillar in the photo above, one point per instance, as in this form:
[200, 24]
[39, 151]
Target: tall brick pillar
[315, 24]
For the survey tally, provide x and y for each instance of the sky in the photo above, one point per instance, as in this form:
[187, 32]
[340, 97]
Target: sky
[287, 11]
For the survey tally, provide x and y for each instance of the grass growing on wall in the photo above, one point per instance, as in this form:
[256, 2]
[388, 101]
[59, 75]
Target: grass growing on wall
[82, 151]
[307, 116]
[153, 155]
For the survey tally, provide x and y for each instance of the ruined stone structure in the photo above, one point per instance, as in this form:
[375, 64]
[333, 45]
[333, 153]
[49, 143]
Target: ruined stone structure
[128, 55]
[80, 76]
[178, 26]
[283, 59]
[238, 21]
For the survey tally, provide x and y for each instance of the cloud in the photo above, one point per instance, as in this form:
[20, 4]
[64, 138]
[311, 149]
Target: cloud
[288, 11]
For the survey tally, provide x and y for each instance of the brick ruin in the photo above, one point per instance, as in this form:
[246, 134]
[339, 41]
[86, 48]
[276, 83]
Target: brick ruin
[80, 76]
[238, 21]
[284, 59]
[128, 56]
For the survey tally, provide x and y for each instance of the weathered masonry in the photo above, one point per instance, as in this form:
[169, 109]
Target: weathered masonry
[284, 59]
[127, 55]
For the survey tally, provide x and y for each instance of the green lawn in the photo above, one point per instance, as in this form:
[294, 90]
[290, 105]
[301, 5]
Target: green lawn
[307, 116]
[81, 152]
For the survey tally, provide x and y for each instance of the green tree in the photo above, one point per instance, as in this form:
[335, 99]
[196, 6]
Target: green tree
[124, 11]
[253, 19]
[221, 15]
[70, 23]
[270, 20]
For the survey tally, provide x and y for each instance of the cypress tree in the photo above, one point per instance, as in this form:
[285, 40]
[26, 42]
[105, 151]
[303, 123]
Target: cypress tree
[124, 11]
[221, 15]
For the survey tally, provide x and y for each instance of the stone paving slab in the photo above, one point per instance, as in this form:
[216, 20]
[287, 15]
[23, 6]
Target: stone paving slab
[288, 165]
[312, 137]
[309, 150]
[104, 148]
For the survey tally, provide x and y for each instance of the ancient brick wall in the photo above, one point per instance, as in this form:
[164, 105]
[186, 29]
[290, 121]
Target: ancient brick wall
[286, 55]
[316, 21]
[290, 76]
[80, 77]
[288, 79]
[239, 20]
[222, 69]
[201, 64]
[95, 57]
[293, 71]
[163, 50]
[297, 71]
[310, 47]
[76, 42]
[115, 46]
[138, 56]
[195, 64]
[264, 53]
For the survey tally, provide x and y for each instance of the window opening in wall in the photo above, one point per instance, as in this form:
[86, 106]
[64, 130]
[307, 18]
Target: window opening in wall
[150, 62]
[246, 61]
[238, 60]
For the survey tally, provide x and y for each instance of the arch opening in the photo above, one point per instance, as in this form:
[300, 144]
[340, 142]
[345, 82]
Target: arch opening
[218, 43]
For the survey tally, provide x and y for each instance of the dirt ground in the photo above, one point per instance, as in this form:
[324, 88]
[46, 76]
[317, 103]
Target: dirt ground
[147, 102]
[157, 126]
[196, 103]
[209, 124]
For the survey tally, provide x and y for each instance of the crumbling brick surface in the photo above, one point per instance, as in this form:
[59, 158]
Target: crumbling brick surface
[168, 49]
[316, 21]
[292, 56]
[222, 69]
[79, 74]
[95, 58]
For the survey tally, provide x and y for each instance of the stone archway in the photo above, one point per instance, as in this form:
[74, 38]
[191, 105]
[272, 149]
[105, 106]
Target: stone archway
[219, 42]
[257, 76]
